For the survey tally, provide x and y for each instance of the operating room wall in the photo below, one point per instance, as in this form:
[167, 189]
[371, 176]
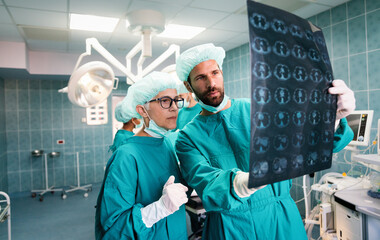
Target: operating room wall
[3, 146]
[36, 116]
[352, 35]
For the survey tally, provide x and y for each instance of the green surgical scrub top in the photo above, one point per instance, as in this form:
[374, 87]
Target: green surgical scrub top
[121, 137]
[211, 149]
[185, 115]
[134, 178]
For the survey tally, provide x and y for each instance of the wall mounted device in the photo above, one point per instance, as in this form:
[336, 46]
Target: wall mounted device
[360, 122]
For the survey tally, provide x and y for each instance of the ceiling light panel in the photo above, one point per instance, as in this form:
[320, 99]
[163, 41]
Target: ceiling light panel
[180, 31]
[167, 9]
[92, 23]
[109, 8]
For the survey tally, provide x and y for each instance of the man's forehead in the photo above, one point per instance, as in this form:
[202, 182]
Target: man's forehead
[210, 65]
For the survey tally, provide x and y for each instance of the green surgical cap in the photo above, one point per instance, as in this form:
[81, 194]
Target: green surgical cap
[195, 55]
[145, 89]
[124, 110]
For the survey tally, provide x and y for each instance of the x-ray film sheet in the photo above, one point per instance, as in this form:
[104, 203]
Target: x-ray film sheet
[292, 113]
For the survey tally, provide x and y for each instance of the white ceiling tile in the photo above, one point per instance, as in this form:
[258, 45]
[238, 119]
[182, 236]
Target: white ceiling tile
[109, 8]
[227, 46]
[41, 45]
[220, 5]
[169, 10]
[239, 39]
[39, 18]
[212, 34]
[77, 47]
[121, 29]
[79, 36]
[4, 16]
[55, 5]
[310, 10]
[194, 43]
[162, 41]
[198, 17]
[10, 33]
[234, 22]
[179, 2]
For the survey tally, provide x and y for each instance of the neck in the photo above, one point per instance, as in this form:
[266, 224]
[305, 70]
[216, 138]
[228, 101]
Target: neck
[129, 126]
[207, 113]
[142, 133]
[192, 103]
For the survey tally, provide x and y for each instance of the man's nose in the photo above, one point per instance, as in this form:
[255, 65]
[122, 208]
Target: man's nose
[211, 81]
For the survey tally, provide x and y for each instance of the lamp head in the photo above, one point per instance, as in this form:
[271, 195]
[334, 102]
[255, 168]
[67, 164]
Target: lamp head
[91, 84]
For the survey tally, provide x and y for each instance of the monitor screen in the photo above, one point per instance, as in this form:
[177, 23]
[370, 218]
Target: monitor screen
[360, 122]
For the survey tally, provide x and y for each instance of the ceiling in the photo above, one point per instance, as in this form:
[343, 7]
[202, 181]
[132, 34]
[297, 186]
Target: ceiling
[43, 25]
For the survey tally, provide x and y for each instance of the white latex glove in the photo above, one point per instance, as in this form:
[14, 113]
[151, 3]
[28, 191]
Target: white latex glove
[346, 99]
[241, 185]
[173, 196]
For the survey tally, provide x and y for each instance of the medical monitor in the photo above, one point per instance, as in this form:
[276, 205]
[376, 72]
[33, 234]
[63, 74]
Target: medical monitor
[360, 122]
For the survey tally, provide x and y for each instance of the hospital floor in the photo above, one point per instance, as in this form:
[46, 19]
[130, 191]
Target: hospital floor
[54, 218]
[57, 219]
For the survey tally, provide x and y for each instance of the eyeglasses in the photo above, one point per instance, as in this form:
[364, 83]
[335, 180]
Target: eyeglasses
[166, 102]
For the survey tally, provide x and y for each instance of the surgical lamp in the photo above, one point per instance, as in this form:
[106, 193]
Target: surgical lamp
[92, 83]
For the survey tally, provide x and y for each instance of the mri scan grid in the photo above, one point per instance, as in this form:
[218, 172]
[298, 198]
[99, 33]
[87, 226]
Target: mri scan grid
[292, 115]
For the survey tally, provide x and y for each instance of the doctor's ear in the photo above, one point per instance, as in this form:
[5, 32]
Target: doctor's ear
[141, 110]
[187, 85]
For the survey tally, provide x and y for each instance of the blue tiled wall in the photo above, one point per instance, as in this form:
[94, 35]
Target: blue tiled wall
[352, 35]
[36, 116]
[3, 145]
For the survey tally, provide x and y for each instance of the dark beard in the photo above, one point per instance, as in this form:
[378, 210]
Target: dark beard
[214, 101]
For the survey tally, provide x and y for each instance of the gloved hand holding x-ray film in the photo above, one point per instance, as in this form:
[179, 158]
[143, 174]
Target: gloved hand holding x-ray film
[173, 196]
[346, 100]
[241, 185]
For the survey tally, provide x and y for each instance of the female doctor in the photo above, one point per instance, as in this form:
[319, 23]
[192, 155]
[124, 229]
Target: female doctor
[141, 196]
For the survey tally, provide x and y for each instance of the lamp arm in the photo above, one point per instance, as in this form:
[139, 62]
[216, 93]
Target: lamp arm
[137, 48]
[93, 42]
[173, 48]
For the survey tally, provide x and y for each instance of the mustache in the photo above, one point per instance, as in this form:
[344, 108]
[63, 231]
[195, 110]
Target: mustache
[212, 90]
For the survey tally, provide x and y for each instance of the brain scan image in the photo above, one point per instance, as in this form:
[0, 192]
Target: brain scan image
[260, 169]
[261, 145]
[279, 26]
[259, 21]
[281, 49]
[297, 161]
[279, 165]
[282, 95]
[292, 113]
[281, 142]
[261, 45]
[262, 70]
[281, 119]
[262, 95]
[262, 119]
